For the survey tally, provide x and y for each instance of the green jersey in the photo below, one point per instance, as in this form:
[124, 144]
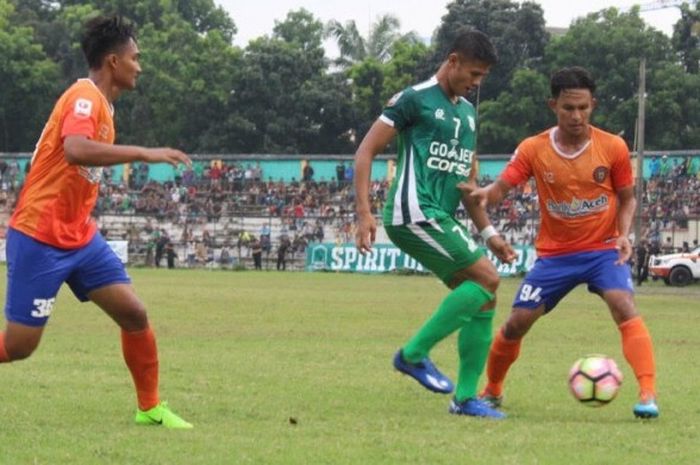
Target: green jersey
[435, 152]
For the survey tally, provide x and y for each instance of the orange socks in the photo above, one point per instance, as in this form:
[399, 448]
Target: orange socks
[141, 356]
[502, 355]
[3, 353]
[639, 352]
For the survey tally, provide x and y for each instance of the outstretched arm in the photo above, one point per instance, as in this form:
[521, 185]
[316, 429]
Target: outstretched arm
[79, 150]
[477, 212]
[379, 135]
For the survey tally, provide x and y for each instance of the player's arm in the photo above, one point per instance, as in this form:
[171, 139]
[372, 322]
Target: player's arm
[625, 215]
[378, 137]
[477, 212]
[80, 150]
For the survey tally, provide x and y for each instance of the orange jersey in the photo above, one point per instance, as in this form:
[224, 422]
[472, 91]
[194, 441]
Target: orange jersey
[577, 193]
[57, 199]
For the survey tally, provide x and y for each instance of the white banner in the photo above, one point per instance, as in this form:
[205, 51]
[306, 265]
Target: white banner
[121, 248]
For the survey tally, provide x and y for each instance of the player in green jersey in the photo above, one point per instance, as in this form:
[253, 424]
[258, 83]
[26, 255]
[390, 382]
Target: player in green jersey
[436, 128]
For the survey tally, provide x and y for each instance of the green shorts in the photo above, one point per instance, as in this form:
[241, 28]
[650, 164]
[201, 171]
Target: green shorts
[443, 245]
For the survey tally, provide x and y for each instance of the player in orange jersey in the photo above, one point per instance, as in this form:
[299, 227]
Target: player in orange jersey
[52, 238]
[586, 194]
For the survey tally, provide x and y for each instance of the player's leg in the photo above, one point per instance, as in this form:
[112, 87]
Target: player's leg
[19, 341]
[35, 272]
[614, 284]
[543, 287]
[505, 350]
[441, 250]
[102, 279]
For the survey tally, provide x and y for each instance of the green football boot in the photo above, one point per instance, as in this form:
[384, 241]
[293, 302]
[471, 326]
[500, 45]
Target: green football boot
[161, 415]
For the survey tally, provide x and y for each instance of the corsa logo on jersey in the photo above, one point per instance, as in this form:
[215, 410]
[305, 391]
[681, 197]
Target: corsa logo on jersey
[450, 159]
[43, 307]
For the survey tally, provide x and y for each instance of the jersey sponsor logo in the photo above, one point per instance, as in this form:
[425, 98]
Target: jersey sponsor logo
[92, 174]
[395, 98]
[600, 173]
[42, 307]
[578, 207]
[451, 159]
[83, 108]
[440, 114]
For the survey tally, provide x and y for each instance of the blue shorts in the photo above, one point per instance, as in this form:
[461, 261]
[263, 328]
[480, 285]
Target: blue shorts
[553, 277]
[35, 272]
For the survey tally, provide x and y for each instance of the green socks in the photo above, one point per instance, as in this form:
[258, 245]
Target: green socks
[455, 312]
[473, 345]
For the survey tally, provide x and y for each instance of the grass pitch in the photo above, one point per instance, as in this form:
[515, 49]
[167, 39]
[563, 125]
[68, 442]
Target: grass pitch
[295, 368]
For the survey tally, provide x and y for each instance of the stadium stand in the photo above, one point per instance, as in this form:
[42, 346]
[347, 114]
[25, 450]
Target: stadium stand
[212, 213]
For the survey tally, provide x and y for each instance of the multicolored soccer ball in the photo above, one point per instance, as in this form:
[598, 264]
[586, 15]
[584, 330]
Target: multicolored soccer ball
[594, 380]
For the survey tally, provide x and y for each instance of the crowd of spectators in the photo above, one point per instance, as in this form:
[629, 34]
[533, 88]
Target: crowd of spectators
[309, 208]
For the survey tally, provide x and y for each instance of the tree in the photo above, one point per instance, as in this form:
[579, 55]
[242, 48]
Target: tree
[285, 93]
[28, 77]
[517, 113]
[383, 34]
[610, 45]
[516, 30]
[184, 90]
[686, 37]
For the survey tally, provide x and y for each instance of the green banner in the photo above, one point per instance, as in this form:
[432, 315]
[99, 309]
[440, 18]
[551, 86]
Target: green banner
[387, 257]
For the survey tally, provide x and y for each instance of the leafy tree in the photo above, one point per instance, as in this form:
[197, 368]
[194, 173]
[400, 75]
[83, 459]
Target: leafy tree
[27, 78]
[184, 90]
[285, 93]
[354, 48]
[517, 31]
[517, 113]
[686, 37]
[610, 45]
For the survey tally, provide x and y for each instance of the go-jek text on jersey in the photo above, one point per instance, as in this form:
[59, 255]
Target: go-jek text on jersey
[435, 152]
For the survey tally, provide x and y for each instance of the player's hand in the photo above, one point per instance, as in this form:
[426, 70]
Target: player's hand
[472, 190]
[166, 155]
[366, 232]
[624, 250]
[501, 249]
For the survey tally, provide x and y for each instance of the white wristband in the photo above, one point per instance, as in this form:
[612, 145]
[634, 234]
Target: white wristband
[488, 232]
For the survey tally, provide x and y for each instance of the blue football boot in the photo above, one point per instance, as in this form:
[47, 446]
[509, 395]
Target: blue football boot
[646, 408]
[425, 373]
[475, 408]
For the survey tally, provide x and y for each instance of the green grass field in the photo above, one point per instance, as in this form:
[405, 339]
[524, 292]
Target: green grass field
[295, 368]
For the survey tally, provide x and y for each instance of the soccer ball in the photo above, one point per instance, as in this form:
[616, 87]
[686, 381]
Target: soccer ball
[594, 380]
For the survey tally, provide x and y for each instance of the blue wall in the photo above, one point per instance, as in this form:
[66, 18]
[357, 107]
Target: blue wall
[287, 168]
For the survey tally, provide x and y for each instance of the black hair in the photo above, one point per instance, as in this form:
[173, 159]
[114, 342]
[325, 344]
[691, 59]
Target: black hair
[104, 35]
[475, 45]
[574, 77]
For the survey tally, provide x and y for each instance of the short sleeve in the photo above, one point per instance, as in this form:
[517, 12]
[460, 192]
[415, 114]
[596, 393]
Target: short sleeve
[80, 115]
[519, 169]
[621, 169]
[400, 111]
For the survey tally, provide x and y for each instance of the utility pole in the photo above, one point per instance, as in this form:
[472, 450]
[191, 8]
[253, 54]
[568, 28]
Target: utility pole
[640, 150]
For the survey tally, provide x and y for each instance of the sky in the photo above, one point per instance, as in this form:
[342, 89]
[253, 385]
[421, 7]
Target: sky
[255, 18]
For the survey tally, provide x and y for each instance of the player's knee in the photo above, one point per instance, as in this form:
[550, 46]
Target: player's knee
[19, 350]
[133, 319]
[518, 325]
[490, 281]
